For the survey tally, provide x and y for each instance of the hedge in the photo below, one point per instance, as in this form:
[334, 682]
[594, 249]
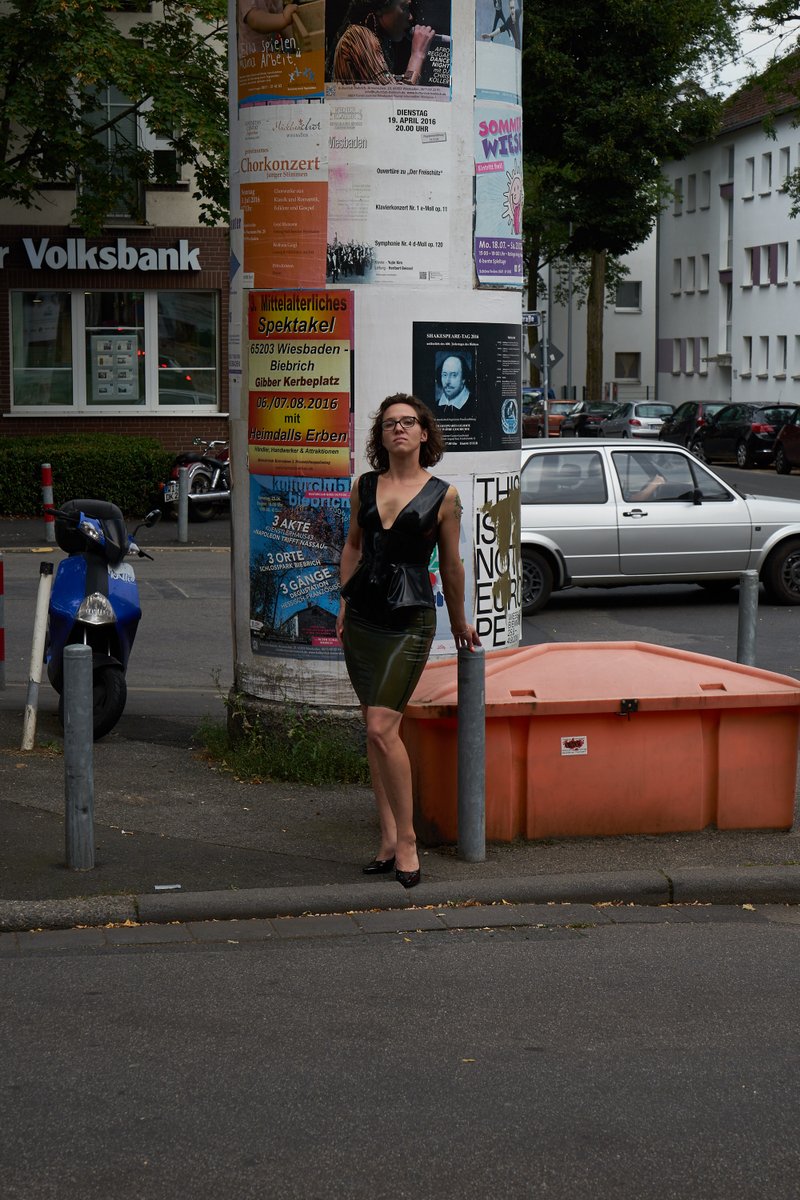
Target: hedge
[127, 471]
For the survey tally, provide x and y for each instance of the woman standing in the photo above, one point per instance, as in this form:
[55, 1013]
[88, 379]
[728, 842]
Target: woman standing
[387, 618]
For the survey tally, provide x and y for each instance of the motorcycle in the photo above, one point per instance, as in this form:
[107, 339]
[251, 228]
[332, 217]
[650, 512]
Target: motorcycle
[209, 480]
[95, 602]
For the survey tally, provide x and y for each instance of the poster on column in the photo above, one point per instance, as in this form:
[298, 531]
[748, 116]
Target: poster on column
[390, 198]
[498, 50]
[498, 195]
[299, 371]
[498, 613]
[404, 51]
[298, 527]
[283, 195]
[470, 376]
[280, 50]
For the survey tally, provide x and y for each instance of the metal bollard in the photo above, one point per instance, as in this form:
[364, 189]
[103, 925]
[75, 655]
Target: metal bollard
[748, 615]
[37, 654]
[183, 504]
[78, 758]
[472, 755]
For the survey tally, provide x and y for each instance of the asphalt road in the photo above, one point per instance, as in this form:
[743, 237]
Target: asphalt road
[634, 1062]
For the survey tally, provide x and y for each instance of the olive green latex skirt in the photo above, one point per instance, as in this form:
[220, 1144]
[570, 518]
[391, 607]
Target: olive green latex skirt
[384, 664]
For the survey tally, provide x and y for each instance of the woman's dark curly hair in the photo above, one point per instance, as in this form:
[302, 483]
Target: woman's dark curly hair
[430, 451]
[360, 12]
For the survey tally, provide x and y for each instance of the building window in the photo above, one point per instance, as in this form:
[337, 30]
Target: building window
[691, 193]
[752, 262]
[41, 348]
[676, 276]
[704, 199]
[705, 268]
[747, 355]
[784, 169]
[118, 138]
[726, 249]
[764, 277]
[115, 351]
[678, 208]
[702, 366]
[749, 178]
[780, 354]
[728, 160]
[690, 363]
[763, 357]
[691, 271]
[796, 374]
[629, 296]
[676, 355]
[783, 262]
[766, 173]
[627, 365]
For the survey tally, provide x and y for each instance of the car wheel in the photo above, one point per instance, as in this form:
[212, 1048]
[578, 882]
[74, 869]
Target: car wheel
[743, 457]
[782, 464]
[781, 573]
[537, 581]
[699, 451]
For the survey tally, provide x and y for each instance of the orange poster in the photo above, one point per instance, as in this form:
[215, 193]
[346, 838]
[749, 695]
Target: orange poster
[299, 363]
[280, 57]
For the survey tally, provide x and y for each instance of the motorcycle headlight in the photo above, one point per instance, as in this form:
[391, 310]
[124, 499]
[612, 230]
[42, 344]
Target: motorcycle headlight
[96, 610]
[91, 530]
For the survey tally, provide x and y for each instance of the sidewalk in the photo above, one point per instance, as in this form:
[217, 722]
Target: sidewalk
[163, 816]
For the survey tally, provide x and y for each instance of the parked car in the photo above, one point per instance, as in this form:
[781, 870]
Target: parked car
[606, 514]
[742, 433]
[787, 444]
[583, 420]
[533, 419]
[687, 420]
[635, 419]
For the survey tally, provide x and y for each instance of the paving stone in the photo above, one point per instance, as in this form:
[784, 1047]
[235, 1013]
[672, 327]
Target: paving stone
[504, 915]
[141, 935]
[296, 927]
[61, 939]
[645, 914]
[398, 921]
[707, 914]
[231, 931]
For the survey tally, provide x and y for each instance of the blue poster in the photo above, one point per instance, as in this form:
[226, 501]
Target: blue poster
[498, 50]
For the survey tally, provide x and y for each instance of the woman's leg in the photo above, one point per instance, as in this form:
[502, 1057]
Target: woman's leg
[389, 763]
[385, 814]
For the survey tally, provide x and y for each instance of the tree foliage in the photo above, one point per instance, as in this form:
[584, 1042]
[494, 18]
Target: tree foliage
[607, 95]
[57, 55]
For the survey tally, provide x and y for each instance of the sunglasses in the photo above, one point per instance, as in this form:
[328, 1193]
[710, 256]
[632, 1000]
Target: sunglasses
[406, 422]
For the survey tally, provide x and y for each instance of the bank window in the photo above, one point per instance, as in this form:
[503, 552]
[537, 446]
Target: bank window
[187, 348]
[41, 348]
[114, 351]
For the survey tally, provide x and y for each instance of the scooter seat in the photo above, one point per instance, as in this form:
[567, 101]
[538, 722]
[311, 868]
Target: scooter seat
[73, 542]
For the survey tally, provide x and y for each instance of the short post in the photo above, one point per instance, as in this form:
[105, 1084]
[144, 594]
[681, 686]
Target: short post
[37, 654]
[472, 755]
[748, 616]
[78, 758]
[183, 504]
[47, 504]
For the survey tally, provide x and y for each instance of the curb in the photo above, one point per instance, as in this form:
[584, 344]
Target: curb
[685, 885]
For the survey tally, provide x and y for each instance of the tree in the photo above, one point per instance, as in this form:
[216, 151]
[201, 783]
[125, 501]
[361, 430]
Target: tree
[57, 60]
[607, 95]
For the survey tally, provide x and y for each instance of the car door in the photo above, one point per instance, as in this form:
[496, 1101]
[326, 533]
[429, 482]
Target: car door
[790, 438]
[719, 437]
[683, 424]
[568, 504]
[666, 533]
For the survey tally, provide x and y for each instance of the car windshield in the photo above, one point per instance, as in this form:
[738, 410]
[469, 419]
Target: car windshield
[560, 408]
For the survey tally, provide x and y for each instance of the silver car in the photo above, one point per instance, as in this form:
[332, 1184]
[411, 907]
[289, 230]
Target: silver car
[609, 513]
[636, 419]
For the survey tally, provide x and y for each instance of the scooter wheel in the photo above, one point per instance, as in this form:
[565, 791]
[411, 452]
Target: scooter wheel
[110, 693]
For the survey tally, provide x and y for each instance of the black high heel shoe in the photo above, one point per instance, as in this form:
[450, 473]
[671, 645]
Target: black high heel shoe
[408, 879]
[379, 866]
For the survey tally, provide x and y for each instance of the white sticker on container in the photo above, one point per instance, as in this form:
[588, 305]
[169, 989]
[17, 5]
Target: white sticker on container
[575, 745]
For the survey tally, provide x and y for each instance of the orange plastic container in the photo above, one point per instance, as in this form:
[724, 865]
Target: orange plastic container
[610, 738]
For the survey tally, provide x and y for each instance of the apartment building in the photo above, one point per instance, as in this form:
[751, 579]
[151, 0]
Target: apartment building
[123, 333]
[729, 264]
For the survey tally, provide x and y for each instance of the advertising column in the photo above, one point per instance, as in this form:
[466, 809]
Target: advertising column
[376, 195]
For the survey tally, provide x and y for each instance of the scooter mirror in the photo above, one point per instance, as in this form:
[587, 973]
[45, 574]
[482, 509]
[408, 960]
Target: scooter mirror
[152, 518]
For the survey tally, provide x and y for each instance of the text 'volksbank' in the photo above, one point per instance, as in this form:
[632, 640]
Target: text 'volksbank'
[75, 256]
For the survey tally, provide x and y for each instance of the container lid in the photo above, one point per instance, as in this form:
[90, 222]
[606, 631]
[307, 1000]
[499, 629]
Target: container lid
[586, 677]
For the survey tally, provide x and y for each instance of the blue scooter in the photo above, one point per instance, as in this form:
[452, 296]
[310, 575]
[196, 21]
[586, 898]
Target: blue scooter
[95, 602]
